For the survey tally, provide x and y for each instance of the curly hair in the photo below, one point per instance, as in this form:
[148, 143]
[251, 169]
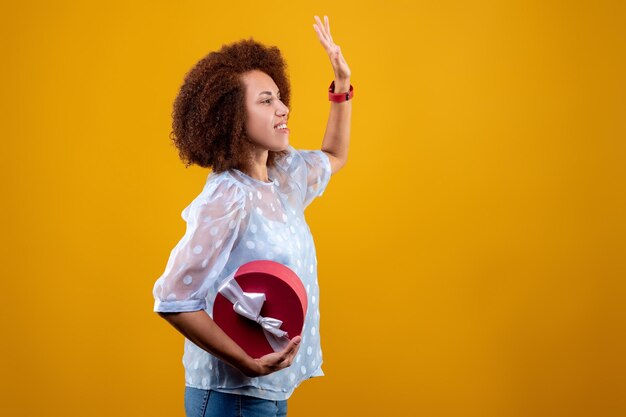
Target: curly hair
[209, 113]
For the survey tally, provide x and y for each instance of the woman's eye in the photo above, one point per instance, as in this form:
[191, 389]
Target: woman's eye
[266, 101]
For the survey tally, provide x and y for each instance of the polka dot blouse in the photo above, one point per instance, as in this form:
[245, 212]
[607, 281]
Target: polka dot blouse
[238, 219]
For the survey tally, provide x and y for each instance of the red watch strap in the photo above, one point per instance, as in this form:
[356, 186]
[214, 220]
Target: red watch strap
[339, 97]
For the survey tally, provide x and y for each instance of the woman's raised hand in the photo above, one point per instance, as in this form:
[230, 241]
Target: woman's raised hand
[340, 66]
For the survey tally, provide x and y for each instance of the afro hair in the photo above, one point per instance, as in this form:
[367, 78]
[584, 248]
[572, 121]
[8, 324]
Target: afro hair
[209, 112]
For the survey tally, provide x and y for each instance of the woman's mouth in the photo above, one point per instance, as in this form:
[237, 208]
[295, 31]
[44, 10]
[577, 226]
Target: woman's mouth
[282, 128]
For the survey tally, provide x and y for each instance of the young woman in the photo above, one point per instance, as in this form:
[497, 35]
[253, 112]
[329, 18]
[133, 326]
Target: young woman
[231, 116]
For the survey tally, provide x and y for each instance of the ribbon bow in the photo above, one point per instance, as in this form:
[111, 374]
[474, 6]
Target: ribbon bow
[249, 304]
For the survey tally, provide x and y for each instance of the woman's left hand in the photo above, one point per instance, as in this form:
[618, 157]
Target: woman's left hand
[340, 66]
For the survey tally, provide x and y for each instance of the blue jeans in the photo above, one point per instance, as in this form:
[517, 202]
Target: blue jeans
[209, 403]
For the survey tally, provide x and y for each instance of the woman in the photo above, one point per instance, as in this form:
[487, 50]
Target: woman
[231, 115]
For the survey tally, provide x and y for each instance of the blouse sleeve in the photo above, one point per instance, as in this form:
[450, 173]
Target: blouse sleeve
[214, 220]
[311, 171]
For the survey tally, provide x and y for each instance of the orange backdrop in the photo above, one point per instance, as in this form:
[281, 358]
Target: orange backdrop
[471, 253]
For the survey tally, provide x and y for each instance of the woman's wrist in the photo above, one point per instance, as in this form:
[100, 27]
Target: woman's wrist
[251, 367]
[342, 86]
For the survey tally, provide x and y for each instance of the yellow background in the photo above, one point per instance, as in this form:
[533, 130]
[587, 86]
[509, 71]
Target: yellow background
[471, 253]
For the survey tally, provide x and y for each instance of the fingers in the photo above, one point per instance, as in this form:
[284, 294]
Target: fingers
[330, 37]
[292, 347]
[290, 351]
[320, 24]
[320, 35]
[321, 29]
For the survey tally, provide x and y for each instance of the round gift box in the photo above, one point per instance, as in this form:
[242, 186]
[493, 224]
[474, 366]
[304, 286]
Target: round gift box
[285, 300]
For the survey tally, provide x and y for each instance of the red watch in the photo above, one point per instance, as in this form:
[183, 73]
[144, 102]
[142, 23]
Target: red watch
[339, 97]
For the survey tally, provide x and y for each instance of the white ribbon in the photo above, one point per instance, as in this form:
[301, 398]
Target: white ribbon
[249, 304]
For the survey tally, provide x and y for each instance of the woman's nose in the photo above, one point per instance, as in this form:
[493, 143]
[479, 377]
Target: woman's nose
[282, 110]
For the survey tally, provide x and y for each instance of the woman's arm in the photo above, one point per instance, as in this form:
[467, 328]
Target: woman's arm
[337, 135]
[199, 327]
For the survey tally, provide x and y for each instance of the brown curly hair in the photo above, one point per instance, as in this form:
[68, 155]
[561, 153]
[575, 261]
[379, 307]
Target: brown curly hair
[209, 114]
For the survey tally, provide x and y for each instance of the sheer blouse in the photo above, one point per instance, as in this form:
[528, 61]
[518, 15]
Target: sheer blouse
[234, 220]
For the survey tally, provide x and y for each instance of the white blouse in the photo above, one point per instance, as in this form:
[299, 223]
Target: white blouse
[234, 220]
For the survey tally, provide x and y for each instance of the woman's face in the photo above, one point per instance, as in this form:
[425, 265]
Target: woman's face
[264, 111]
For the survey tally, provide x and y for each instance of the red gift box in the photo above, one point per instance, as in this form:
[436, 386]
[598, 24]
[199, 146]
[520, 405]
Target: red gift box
[261, 307]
